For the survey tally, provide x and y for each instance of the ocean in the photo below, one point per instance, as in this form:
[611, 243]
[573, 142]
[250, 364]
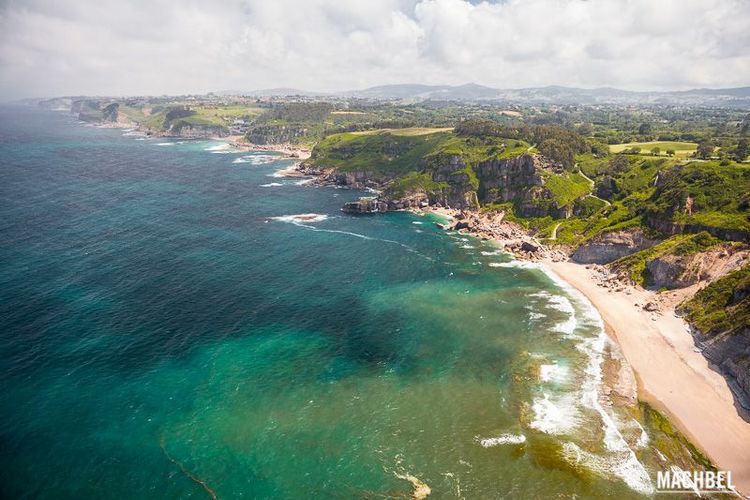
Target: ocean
[171, 327]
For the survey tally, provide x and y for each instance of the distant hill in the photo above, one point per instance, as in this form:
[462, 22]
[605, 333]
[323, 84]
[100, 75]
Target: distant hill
[554, 94]
[733, 97]
[274, 92]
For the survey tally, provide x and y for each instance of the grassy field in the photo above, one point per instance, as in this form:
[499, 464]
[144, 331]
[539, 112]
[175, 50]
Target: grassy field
[682, 149]
[405, 132]
[219, 113]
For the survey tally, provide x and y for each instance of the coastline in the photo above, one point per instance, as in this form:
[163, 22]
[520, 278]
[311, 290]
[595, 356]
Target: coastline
[290, 150]
[672, 376]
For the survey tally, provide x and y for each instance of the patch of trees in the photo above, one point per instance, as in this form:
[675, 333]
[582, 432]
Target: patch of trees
[178, 112]
[558, 144]
[300, 112]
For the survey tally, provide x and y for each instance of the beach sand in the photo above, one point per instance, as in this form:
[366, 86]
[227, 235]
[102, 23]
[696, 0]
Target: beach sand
[672, 376]
[290, 150]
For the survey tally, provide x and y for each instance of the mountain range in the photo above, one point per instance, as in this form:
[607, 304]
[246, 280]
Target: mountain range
[730, 97]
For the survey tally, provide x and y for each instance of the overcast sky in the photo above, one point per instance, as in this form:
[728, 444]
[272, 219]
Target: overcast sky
[118, 47]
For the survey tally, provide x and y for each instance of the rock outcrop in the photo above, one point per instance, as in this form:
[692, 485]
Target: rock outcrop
[731, 354]
[372, 204]
[517, 180]
[679, 271]
[608, 247]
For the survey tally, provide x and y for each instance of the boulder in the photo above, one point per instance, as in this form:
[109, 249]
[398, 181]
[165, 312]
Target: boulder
[527, 246]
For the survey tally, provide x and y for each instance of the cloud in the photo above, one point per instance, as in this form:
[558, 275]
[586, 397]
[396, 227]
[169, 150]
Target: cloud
[54, 47]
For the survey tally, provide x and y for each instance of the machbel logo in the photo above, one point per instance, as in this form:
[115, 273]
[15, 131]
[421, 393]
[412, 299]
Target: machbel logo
[697, 482]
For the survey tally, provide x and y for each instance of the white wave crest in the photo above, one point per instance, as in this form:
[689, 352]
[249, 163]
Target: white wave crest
[301, 218]
[271, 184]
[558, 415]
[218, 148]
[502, 439]
[516, 264]
[553, 373]
[624, 465]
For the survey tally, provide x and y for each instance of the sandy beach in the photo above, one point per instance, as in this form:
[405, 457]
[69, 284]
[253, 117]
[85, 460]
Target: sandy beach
[672, 376]
[290, 150]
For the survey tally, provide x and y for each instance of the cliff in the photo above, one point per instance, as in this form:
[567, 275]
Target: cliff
[277, 134]
[720, 315]
[611, 246]
[448, 170]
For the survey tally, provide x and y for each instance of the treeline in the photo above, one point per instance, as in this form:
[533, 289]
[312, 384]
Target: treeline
[299, 112]
[558, 144]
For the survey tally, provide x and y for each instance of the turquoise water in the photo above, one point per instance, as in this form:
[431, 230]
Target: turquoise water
[167, 330]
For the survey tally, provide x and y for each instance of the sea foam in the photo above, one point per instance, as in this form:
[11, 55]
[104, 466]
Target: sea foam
[502, 439]
[301, 218]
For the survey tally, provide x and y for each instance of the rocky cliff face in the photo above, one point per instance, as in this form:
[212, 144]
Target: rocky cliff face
[608, 247]
[514, 180]
[196, 131]
[276, 134]
[508, 180]
[370, 205]
[731, 354]
[461, 180]
[670, 227]
[679, 271]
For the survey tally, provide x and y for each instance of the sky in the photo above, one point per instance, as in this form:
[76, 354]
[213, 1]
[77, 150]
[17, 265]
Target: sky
[154, 47]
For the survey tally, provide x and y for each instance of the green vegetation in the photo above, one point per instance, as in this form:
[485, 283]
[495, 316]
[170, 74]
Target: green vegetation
[409, 131]
[382, 153]
[723, 307]
[566, 187]
[703, 194]
[415, 182]
[679, 149]
[682, 245]
[660, 186]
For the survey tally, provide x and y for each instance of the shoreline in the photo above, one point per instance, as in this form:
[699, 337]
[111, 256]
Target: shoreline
[671, 375]
[290, 150]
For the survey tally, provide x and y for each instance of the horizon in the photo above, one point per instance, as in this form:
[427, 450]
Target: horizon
[637, 46]
[337, 93]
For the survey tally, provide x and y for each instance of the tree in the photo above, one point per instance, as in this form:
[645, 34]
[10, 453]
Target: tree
[644, 129]
[670, 152]
[618, 163]
[558, 151]
[635, 150]
[655, 151]
[742, 150]
[705, 149]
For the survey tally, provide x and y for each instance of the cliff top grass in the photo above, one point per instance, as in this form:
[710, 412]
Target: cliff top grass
[474, 150]
[397, 151]
[415, 182]
[566, 187]
[404, 132]
[222, 114]
[383, 152]
[723, 307]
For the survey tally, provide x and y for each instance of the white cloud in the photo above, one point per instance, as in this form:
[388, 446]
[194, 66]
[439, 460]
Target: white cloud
[52, 47]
